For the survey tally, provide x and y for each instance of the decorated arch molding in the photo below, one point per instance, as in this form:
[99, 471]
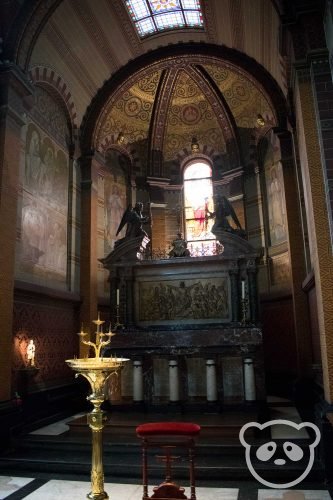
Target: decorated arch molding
[31, 19]
[160, 115]
[110, 143]
[159, 119]
[172, 57]
[49, 79]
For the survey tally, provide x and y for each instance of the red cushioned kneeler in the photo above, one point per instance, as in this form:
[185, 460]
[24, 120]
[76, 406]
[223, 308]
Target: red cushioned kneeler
[168, 436]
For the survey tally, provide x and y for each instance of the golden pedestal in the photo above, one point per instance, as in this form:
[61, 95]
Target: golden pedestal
[97, 370]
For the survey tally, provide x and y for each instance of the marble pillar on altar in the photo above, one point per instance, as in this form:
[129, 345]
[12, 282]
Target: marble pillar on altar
[137, 381]
[173, 381]
[249, 380]
[211, 380]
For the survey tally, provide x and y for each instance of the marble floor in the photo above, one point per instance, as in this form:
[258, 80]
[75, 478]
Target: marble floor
[53, 488]
[15, 488]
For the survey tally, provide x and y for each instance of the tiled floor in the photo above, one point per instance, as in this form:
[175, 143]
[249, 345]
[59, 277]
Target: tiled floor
[293, 495]
[14, 487]
[9, 485]
[76, 490]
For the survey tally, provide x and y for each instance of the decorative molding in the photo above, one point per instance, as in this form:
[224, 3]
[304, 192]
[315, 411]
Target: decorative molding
[46, 77]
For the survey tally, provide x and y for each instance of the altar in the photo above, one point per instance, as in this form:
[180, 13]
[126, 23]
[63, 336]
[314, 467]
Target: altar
[189, 325]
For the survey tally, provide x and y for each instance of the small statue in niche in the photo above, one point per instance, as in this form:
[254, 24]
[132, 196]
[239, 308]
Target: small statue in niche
[224, 212]
[179, 247]
[134, 219]
[31, 350]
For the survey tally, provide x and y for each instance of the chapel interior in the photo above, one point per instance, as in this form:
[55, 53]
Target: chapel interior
[166, 168]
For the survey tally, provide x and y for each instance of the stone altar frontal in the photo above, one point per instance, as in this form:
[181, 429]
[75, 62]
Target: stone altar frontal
[192, 320]
[183, 293]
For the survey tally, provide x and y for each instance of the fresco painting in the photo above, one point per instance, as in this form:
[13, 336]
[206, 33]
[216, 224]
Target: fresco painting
[276, 204]
[44, 207]
[114, 199]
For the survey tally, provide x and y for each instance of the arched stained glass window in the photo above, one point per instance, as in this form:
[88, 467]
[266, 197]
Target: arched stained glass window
[198, 206]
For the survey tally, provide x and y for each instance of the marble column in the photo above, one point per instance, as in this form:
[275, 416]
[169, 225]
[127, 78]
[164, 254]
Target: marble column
[128, 306]
[249, 380]
[88, 250]
[113, 295]
[211, 380]
[173, 381]
[252, 291]
[233, 273]
[137, 381]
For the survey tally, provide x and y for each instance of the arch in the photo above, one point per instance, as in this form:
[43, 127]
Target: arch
[29, 22]
[164, 57]
[110, 143]
[49, 79]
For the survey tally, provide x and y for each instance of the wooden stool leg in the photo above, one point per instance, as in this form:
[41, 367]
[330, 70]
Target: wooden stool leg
[192, 477]
[144, 470]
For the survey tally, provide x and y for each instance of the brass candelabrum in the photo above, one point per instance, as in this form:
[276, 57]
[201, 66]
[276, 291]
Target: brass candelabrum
[97, 371]
[117, 323]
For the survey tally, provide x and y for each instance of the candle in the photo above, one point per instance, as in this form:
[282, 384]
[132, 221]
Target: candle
[117, 296]
[243, 289]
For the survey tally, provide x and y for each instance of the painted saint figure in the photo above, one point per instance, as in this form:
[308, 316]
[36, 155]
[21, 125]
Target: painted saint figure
[31, 349]
[275, 192]
[114, 211]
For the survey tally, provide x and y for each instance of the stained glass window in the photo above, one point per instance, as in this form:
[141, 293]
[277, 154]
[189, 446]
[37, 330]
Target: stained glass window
[153, 16]
[198, 207]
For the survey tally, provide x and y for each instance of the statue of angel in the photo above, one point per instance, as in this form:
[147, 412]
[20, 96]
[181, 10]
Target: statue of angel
[134, 219]
[224, 211]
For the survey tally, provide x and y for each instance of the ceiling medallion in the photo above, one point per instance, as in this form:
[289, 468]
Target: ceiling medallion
[133, 106]
[190, 114]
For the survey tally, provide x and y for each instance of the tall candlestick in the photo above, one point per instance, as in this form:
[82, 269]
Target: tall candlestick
[117, 296]
[243, 289]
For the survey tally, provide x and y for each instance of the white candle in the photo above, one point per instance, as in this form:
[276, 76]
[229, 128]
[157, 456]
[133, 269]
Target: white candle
[243, 289]
[117, 296]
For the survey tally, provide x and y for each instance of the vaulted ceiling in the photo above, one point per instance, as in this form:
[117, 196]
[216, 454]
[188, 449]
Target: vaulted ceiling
[84, 43]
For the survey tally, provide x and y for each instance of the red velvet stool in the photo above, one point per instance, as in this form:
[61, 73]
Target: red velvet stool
[168, 436]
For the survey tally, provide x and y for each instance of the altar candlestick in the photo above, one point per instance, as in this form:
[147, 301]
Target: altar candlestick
[117, 296]
[243, 289]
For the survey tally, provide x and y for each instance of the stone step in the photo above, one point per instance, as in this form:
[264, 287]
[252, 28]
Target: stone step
[72, 454]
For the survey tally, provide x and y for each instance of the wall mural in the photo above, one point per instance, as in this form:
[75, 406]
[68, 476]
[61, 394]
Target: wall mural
[114, 198]
[44, 208]
[186, 300]
[276, 204]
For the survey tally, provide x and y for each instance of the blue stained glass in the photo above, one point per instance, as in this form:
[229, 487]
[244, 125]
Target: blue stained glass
[193, 18]
[151, 16]
[169, 20]
[190, 4]
[145, 27]
[138, 9]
